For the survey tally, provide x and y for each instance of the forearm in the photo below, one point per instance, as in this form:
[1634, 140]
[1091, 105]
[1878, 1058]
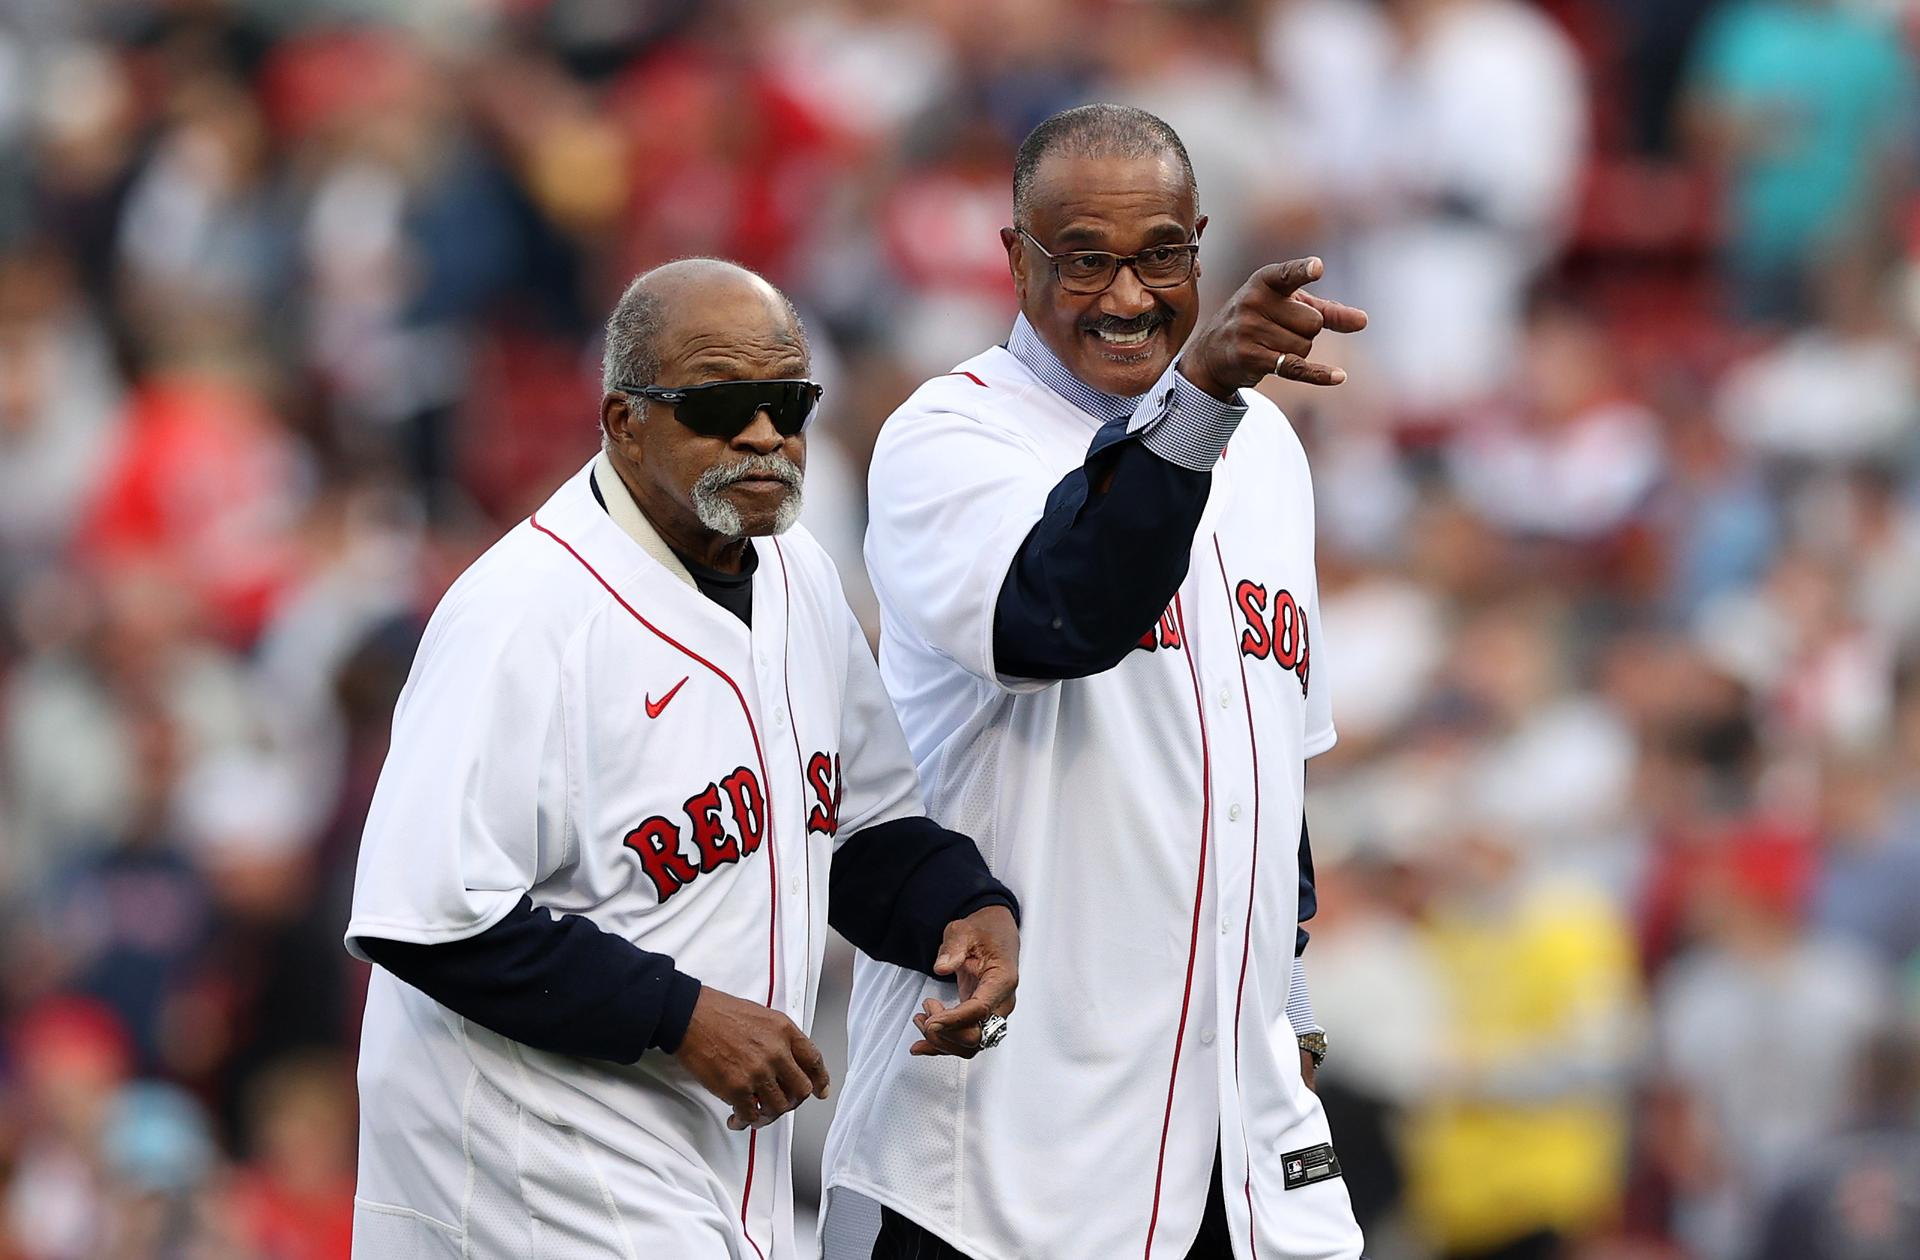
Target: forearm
[896, 886]
[556, 984]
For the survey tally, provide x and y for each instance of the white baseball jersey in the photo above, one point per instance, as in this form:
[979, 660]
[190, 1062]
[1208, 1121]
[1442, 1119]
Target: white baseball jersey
[1149, 820]
[583, 726]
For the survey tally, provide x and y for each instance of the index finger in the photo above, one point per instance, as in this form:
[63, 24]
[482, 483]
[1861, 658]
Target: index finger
[1339, 317]
[1283, 278]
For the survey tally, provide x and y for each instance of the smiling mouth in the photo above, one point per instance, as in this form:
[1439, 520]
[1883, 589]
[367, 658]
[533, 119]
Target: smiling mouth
[1123, 341]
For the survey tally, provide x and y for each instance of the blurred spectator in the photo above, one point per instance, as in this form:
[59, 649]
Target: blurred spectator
[71, 1058]
[59, 405]
[1844, 389]
[1733, 1014]
[1854, 1197]
[1451, 134]
[1809, 106]
[1518, 1141]
[115, 700]
[1577, 456]
[294, 1198]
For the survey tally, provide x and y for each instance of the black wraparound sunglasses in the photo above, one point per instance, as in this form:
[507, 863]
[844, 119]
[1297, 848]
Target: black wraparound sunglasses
[723, 409]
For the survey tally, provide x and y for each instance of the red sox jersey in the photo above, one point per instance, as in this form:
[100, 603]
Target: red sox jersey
[1148, 818]
[582, 725]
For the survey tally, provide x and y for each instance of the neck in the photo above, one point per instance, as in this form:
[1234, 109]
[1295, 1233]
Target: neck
[678, 528]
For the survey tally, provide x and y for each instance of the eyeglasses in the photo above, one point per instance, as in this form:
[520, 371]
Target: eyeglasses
[724, 409]
[1090, 271]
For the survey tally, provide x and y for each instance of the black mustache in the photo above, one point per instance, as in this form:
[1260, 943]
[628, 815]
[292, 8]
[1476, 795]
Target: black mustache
[1113, 324]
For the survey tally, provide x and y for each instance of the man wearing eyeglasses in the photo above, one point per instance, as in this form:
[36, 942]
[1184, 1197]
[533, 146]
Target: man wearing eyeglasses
[1093, 551]
[642, 762]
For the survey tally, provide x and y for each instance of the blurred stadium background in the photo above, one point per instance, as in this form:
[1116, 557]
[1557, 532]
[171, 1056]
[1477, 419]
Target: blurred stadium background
[1620, 538]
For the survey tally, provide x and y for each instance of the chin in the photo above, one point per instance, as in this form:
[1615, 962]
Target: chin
[1124, 370]
[764, 522]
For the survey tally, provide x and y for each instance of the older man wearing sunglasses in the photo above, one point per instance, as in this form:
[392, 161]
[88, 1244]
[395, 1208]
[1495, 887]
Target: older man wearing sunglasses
[643, 761]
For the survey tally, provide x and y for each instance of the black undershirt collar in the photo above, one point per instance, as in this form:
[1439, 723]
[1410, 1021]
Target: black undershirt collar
[732, 591]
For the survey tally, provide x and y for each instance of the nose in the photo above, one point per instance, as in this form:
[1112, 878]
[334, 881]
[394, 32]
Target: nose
[1126, 297]
[759, 437]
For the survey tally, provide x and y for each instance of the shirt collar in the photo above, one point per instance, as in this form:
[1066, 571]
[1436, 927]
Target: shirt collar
[1025, 345]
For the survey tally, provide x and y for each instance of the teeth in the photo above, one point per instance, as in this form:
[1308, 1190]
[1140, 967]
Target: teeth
[1124, 339]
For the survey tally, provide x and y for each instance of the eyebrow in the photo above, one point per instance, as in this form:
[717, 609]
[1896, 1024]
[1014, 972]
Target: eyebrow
[1082, 237]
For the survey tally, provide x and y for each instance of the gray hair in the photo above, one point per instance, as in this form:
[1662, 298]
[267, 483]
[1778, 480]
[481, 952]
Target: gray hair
[631, 355]
[1094, 131]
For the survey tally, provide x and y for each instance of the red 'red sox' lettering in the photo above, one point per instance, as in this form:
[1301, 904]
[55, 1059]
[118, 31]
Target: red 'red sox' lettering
[1281, 635]
[823, 776]
[657, 840]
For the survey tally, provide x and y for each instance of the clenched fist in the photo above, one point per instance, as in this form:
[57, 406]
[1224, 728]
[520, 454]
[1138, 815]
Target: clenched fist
[752, 1058]
[1267, 329]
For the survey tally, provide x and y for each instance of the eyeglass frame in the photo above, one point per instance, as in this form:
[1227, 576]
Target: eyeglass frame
[1190, 248]
[673, 396]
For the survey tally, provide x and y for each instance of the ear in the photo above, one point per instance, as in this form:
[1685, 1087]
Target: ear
[1199, 230]
[1016, 261]
[618, 420]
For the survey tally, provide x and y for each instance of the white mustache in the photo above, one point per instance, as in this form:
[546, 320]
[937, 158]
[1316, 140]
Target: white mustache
[777, 466]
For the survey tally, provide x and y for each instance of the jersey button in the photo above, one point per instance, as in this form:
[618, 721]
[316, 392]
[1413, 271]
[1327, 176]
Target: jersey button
[779, 717]
[1226, 925]
[1226, 698]
[1206, 1038]
[1233, 812]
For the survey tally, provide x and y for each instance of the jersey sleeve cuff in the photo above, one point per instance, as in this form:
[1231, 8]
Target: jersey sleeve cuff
[1185, 425]
[1300, 1002]
[676, 1012]
[991, 897]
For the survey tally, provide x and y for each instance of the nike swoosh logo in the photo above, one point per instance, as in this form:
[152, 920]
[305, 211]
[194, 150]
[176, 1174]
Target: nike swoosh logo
[653, 709]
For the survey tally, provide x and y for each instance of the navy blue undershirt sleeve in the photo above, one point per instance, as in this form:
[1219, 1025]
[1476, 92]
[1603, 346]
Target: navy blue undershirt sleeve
[896, 885]
[557, 984]
[1101, 565]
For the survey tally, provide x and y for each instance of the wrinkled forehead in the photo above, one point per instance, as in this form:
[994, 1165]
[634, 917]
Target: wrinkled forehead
[1110, 202]
[719, 326]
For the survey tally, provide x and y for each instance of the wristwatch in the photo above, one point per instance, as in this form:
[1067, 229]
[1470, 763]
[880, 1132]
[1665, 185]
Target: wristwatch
[1315, 1044]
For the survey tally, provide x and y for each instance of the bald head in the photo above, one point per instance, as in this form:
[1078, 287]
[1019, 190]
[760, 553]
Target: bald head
[678, 300]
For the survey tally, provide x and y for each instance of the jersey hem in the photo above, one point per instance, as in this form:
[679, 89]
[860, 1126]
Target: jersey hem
[1318, 744]
[395, 1209]
[976, 1250]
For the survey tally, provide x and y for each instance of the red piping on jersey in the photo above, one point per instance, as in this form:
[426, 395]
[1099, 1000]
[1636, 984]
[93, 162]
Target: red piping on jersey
[753, 1139]
[970, 376]
[1193, 943]
[793, 723]
[1246, 941]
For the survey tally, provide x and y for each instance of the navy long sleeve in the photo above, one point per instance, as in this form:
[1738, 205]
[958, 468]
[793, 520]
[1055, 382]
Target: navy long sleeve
[1101, 564]
[558, 984]
[896, 885]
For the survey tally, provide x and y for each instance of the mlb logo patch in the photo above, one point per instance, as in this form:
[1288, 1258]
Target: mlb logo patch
[1315, 1163]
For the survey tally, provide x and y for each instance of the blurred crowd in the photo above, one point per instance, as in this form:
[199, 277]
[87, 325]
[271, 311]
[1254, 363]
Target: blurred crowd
[1619, 854]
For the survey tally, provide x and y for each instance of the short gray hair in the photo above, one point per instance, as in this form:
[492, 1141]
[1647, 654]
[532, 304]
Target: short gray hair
[631, 355]
[1094, 131]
